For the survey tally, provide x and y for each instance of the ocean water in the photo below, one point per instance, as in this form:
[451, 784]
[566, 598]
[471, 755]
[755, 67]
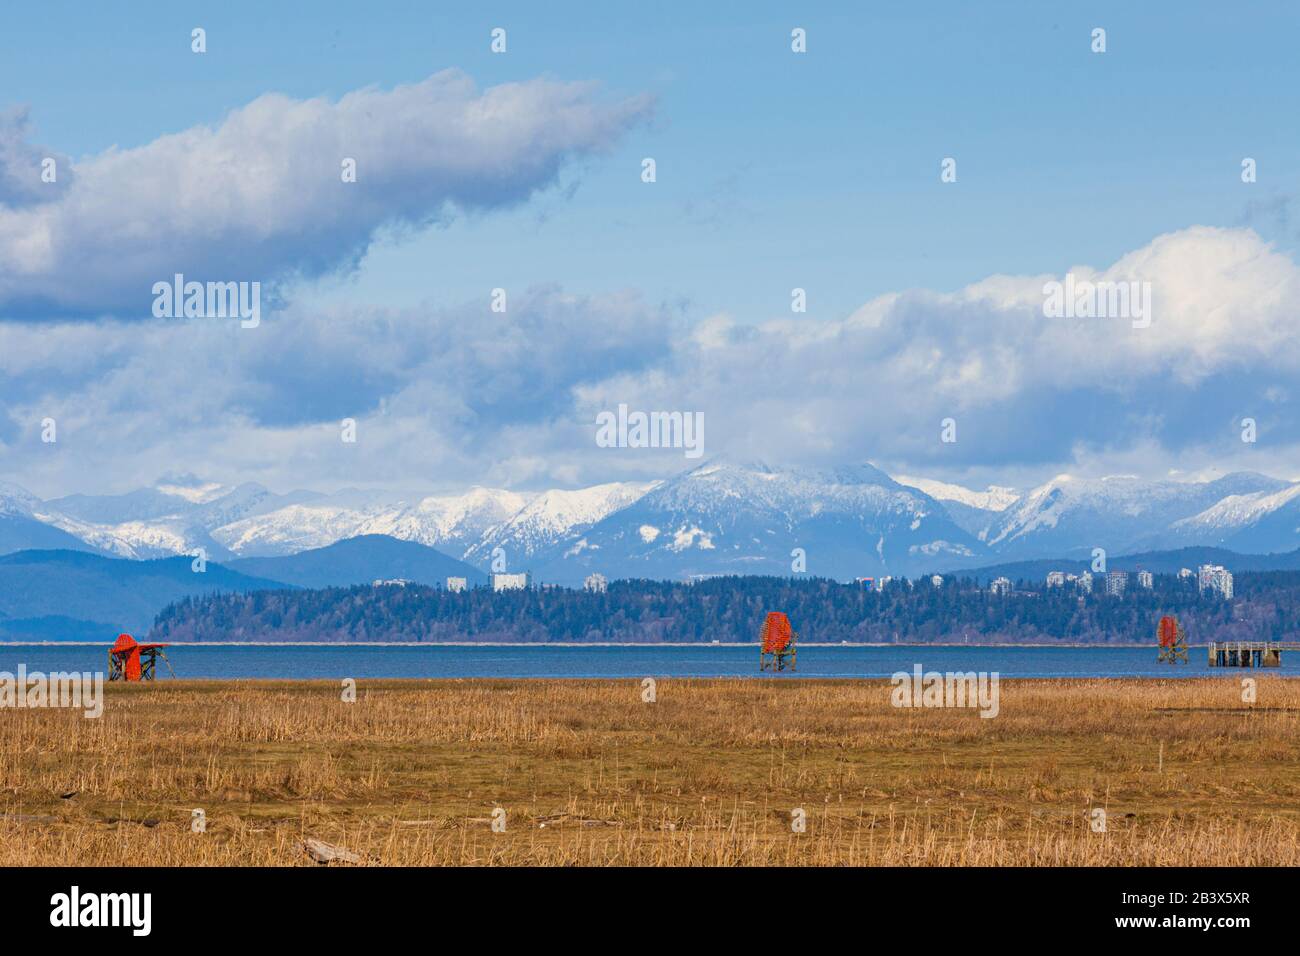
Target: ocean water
[549, 661]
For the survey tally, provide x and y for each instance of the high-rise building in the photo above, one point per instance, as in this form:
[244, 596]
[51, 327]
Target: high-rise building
[1000, 586]
[457, 584]
[937, 580]
[1224, 582]
[596, 583]
[1205, 576]
[1146, 580]
[1116, 583]
[1085, 582]
[1214, 577]
[511, 582]
[1056, 579]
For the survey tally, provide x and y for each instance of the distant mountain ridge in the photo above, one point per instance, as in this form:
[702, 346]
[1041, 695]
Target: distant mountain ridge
[454, 523]
[361, 560]
[61, 594]
[721, 517]
[555, 518]
[69, 595]
[75, 595]
[750, 518]
[21, 527]
[1070, 515]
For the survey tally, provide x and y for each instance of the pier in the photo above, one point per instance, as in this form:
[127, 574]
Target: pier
[1248, 653]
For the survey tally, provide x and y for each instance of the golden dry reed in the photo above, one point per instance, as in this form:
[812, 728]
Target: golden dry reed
[709, 774]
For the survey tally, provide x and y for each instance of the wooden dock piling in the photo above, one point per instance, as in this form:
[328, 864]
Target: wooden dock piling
[1247, 653]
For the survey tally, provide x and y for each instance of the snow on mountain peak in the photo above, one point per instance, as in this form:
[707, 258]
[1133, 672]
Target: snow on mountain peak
[451, 522]
[993, 498]
[1235, 511]
[720, 517]
[16, 500]
[728, 517]
[1117, 512]
[557, 515]
[191, 489]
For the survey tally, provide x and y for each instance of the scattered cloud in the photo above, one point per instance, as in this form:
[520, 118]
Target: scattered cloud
[460, 395]
[437, 394]
[25, 177]
[1025, 391]
[447, 396]
[260, 196]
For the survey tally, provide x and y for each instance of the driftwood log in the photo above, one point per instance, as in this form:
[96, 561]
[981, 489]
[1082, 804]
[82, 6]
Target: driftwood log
[323, 852]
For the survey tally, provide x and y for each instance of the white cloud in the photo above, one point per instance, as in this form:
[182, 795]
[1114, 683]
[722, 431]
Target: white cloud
[260, 196]
[1023, 388]
[448, 397]
[23, 178]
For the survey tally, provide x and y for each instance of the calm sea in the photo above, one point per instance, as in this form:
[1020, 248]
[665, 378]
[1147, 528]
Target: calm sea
[197, 661]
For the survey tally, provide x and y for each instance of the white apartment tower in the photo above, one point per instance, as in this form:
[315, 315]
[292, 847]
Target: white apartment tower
[511, 582]
[1214, 577]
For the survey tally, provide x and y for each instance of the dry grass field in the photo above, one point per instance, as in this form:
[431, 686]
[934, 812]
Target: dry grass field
[587, 773]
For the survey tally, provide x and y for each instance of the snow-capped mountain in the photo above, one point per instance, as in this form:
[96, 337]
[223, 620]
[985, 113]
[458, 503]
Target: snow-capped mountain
[1070, 516]
[452, 524]
[175, 516]
[718, 518]
[556, 518]
[1258, 523]
[16, 501]
[975, 512]
[723, 518]
[22, 528]
[163, 500]
[992, 498]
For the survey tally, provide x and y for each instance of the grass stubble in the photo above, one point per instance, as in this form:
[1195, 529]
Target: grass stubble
[589, 774]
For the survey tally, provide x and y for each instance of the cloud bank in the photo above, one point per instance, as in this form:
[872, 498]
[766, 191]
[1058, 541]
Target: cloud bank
[261, 197]
[453, 396]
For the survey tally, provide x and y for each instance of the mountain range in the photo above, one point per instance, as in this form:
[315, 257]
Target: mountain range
[721, 517]
[361, 560]
[78, 595]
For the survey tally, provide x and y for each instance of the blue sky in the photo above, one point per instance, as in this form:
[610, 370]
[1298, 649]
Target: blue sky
[775, 171]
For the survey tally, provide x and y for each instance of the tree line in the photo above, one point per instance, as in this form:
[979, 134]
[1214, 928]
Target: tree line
[731, 609]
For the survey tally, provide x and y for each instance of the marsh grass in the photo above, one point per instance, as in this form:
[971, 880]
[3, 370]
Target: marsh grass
[707, 775]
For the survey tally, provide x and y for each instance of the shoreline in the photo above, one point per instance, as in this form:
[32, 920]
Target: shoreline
[516, 644]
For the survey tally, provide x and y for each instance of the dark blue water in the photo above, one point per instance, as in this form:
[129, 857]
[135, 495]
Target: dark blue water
[196, 661]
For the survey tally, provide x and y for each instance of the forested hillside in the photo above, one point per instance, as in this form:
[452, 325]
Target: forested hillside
[729, 609]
